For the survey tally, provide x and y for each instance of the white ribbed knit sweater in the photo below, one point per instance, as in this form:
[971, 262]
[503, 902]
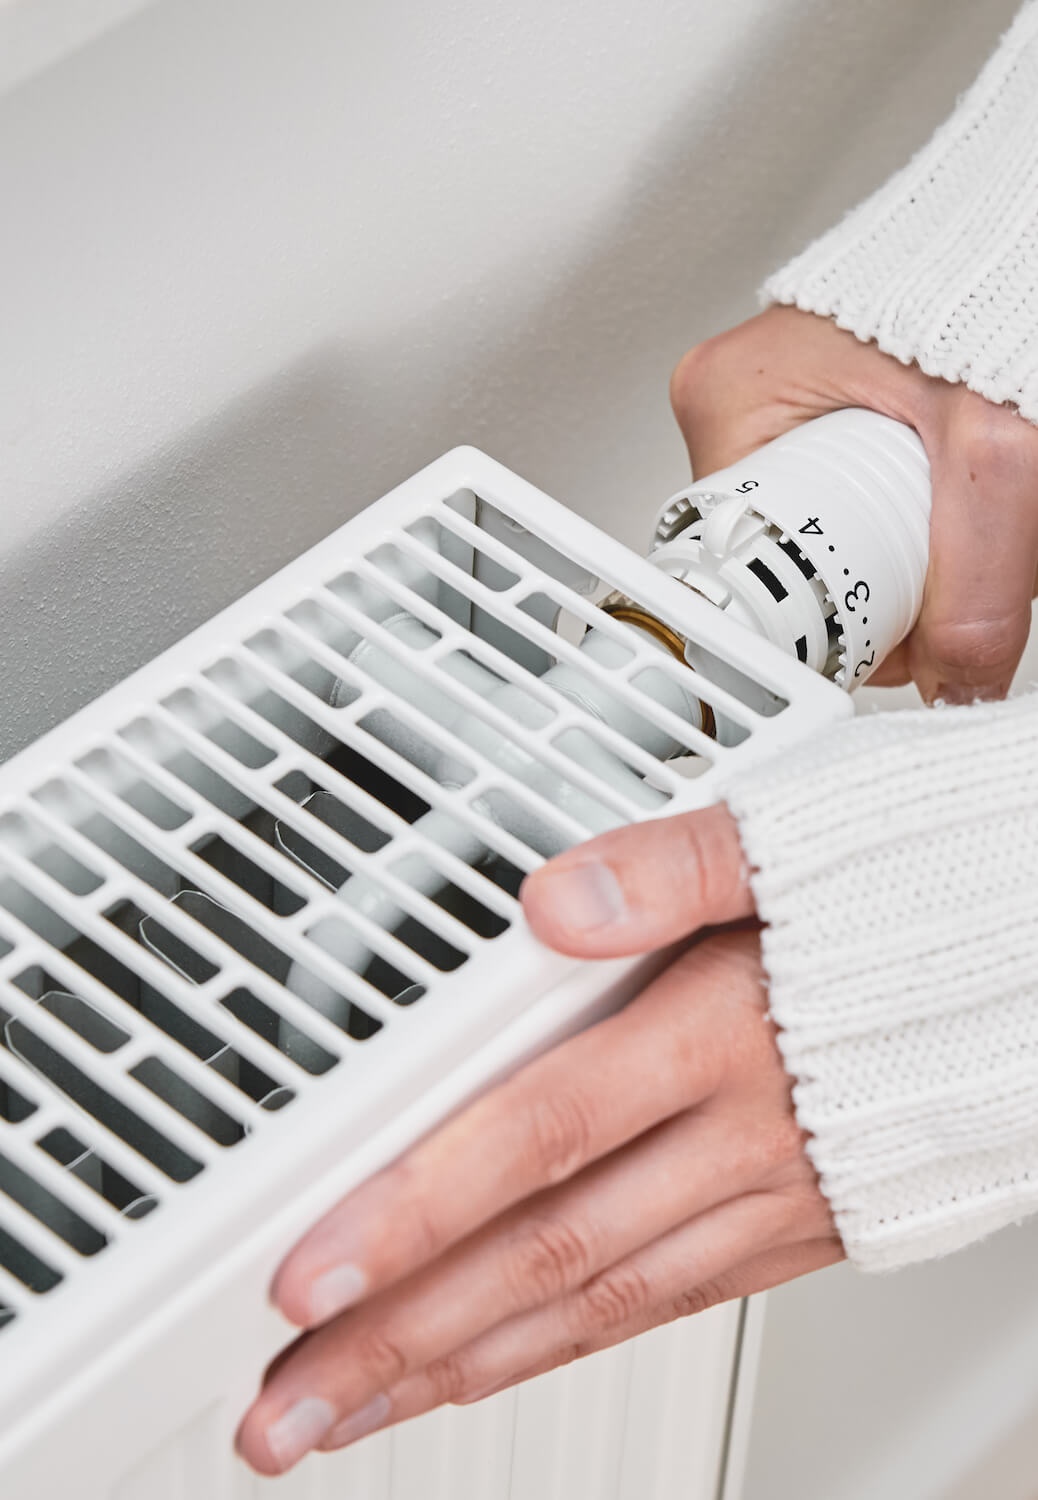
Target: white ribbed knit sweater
[896, 862]
[940, 266]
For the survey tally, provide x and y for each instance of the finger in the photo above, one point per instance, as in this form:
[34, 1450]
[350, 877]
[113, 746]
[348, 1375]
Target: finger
[895, 669]
[722, 420]
[531, 1256]
[545, 1245]
[522, 1348]
[976, 611]
[641, 887]
[754, 382]
[759, 1274]
[579, 1102]
[737, 391]
[626, 1296]
[544, 1248]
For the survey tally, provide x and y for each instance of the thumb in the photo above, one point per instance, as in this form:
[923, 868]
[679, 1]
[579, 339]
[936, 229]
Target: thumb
[641, 887]
[976, 611]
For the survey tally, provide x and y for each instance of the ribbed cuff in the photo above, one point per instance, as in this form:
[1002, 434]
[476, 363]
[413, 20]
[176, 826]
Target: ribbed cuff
[896, 868]
[939, 267]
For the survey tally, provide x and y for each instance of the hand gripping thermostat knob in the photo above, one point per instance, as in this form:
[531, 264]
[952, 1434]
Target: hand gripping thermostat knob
[818, 540]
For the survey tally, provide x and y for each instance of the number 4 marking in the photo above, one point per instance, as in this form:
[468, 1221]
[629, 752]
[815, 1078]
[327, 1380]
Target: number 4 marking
[812, 528]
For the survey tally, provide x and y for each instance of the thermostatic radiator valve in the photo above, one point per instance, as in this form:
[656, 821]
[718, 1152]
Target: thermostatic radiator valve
[818, 541]
[264, 891]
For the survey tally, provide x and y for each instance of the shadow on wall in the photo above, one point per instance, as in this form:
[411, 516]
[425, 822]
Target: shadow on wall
[560, 371]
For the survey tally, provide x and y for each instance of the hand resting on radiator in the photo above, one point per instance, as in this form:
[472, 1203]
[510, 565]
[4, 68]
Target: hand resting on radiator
[647, 1169]
[653, 1166]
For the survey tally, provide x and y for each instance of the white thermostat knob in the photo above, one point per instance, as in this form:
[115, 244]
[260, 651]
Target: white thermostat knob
[817, 541]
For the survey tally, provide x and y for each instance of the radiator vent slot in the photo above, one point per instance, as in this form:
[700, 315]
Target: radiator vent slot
[238, 881]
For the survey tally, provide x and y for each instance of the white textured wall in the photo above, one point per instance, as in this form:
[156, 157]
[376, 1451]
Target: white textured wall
[36, 34]
[260, 260]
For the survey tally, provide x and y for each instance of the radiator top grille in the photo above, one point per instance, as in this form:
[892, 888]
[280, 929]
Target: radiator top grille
[175, 953]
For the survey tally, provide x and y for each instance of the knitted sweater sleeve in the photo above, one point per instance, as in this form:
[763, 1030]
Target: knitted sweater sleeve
[940, 266]
[896, 869]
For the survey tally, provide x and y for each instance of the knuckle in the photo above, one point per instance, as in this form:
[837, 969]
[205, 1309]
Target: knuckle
[407, 1185]
[792, 1217]
[448, 1378]
[560, 1131]
[700, 1298]
[691, 380]
[701, 969]
[990, 645]
[724, 1023]
[786, 1141]
[774, 1154]
[613, 1298]
[380, 1357]
[814, 1218]
[725, 967]
[729, 959]
[549, 1256]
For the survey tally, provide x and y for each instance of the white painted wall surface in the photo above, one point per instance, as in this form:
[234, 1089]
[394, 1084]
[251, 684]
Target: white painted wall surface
[260, 260]
[36, 34]
[922, 1385]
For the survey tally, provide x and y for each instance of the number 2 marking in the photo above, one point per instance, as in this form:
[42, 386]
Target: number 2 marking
[859, 594]
[866, 661]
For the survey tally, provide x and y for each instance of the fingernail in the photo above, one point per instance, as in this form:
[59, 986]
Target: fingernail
[360, 1423]
[301, 1428]
[335, 1290]
[958, 694]
[584, 897]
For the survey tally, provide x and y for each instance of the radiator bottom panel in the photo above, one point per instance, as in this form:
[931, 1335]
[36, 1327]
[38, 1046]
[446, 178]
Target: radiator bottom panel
[643, 1421]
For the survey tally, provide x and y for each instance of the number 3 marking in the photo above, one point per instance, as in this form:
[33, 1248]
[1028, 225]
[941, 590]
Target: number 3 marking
[859, 594]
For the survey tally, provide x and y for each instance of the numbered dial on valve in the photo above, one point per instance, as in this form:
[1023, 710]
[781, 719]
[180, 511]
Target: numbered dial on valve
[720, 545]
[817, 541]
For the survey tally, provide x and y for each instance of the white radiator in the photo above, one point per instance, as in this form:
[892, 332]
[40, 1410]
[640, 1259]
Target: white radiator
[258, 930]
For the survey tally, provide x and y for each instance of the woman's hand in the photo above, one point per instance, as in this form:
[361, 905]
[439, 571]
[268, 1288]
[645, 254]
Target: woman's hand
[649, 1168]
[737, 391]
